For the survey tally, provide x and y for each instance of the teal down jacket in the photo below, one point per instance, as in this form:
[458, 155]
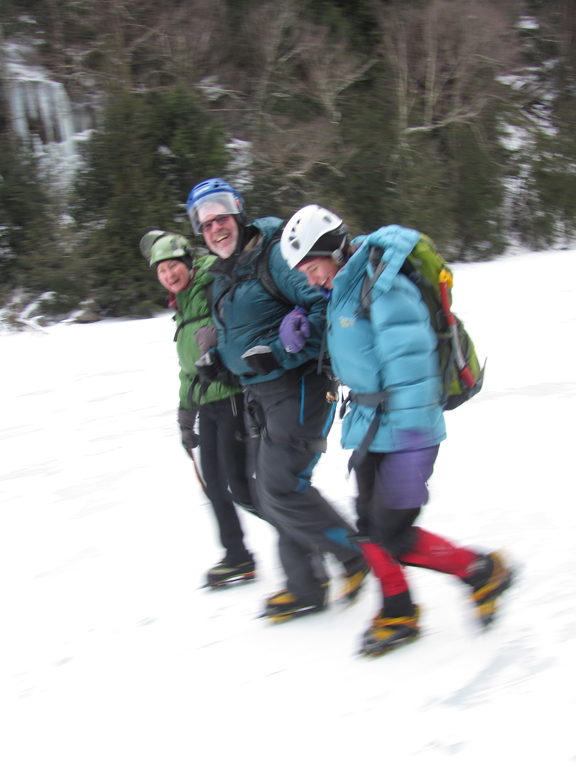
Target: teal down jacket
[392, 351]
[247, 315]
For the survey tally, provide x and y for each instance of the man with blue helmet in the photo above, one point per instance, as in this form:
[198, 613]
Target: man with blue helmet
[290, 399]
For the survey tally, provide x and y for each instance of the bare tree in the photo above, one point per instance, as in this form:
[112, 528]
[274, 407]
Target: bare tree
[189, 41]
[331, 67]
[299, 63]
[445, 59]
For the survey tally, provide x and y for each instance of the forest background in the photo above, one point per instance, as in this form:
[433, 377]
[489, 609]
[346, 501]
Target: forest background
[455, 117]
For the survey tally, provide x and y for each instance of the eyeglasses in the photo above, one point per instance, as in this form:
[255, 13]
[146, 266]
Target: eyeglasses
[206, 226]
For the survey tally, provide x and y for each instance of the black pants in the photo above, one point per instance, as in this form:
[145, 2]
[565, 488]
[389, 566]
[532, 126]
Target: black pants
[392, 488]
[289, 420]
[225, 471]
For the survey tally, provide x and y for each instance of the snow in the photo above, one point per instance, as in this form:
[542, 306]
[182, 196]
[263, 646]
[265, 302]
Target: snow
[113, 656]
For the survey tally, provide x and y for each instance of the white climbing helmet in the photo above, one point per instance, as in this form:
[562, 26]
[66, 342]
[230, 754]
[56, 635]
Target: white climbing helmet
[313, 231]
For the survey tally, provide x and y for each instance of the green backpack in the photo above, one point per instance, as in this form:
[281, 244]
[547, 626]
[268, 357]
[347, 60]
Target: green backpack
[462, 375]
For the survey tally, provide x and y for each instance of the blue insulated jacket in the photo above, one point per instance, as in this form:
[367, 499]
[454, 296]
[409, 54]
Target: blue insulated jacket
[391, 351]
[247, 315]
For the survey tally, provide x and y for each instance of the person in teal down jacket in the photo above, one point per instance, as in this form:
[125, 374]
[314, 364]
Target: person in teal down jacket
[218, 407]
[387, 357]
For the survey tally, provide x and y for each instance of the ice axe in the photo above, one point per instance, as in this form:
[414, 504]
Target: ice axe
[445, 282]
[198, 473]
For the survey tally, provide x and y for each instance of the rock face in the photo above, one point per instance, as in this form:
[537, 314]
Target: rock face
[87, 315]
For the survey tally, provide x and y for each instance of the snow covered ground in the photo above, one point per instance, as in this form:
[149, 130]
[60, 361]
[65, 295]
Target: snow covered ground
[111, 655]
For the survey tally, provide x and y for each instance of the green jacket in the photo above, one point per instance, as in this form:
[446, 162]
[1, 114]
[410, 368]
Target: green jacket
[193, 312]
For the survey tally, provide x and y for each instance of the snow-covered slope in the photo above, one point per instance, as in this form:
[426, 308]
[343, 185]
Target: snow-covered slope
[113, 657]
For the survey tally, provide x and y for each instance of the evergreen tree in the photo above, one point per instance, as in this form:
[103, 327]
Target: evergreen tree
[475, 160]
[383, 110]
[33, 255]
[139, 168]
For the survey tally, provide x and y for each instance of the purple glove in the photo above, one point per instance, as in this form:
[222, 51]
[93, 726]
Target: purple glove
[294, 330]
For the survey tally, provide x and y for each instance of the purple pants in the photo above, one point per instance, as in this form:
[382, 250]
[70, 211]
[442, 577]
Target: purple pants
[402, 477]
[389, 482]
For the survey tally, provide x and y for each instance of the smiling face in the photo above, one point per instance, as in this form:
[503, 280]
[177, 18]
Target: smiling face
[219, 229]
[173, 275]
[320, 272]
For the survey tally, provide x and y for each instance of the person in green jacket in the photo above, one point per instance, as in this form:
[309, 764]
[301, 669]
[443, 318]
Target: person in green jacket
[218, 408]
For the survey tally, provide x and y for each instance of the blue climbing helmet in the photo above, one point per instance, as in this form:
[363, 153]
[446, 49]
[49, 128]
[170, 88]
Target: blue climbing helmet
[214, 191]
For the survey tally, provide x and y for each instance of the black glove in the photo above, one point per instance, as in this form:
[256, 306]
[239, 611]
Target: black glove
[261, 359]
[208, 366]
[187, 422]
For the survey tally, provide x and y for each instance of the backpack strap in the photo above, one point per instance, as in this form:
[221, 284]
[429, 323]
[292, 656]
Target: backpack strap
[408, 270]
[261, 272]
[188, 321]
[368, 283]
[376, 400]
[265, 275]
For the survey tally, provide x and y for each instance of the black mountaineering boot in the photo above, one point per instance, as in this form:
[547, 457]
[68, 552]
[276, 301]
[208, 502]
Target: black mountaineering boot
[283, 606]
[491, 577]
[226, 573]
[389, 632]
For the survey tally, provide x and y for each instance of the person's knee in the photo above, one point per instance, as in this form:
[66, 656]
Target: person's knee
[395, 530]
[279, 472]
[276, 485]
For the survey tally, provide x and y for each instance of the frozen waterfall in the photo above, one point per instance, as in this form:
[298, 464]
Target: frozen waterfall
[41, 113]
